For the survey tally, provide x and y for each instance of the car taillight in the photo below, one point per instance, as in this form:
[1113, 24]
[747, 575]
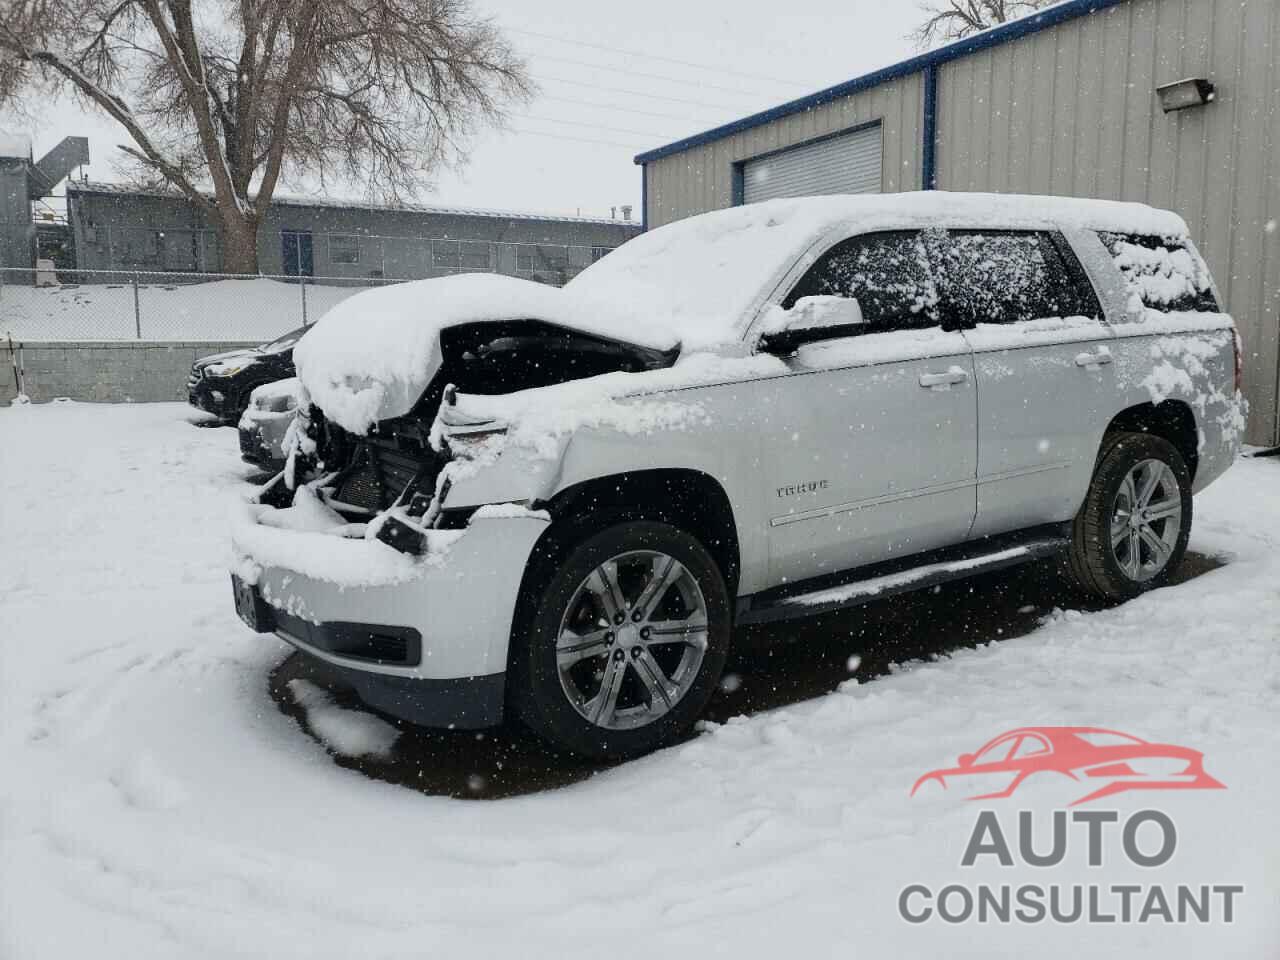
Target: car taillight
[1238, 344]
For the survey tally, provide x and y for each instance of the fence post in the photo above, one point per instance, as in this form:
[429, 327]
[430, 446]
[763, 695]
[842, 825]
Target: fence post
[137, 309]
[302, 285]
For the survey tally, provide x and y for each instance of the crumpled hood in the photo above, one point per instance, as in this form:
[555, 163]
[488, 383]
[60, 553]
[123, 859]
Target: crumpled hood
[371, 357]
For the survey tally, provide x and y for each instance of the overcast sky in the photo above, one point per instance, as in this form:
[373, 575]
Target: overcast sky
[571, 150]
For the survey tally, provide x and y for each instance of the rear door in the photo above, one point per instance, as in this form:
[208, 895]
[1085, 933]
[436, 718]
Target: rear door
[870, 440]
[1044, 365]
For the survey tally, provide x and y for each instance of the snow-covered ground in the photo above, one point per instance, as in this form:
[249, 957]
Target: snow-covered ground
[231, 310]
[155, 802]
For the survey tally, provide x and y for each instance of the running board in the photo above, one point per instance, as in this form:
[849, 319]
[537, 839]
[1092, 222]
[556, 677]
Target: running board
[775, 605]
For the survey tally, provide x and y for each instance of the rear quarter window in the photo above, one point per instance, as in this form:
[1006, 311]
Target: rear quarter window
[1161, 273]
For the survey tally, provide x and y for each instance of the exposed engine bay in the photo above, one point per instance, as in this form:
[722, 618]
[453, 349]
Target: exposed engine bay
[393, 475]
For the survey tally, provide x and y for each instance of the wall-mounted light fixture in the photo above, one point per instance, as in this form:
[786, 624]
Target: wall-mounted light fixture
[1192, 92]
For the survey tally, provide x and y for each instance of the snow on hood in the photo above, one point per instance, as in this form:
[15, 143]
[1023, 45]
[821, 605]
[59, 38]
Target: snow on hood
[371, 356]
[707, 276]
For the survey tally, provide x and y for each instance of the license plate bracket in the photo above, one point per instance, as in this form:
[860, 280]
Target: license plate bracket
[251, 608]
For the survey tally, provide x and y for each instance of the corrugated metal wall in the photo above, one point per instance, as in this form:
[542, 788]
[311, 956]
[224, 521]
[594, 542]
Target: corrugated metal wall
[701, 179]
[1073, 110]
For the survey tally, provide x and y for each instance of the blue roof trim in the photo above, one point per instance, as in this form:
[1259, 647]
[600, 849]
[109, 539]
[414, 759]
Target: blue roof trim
[1026, 26]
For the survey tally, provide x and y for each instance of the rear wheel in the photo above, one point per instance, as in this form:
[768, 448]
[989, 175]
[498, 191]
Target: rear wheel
[626, 644]
[1131, 533]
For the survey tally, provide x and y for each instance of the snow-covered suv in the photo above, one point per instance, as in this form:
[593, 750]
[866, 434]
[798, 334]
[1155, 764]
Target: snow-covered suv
[559, 503]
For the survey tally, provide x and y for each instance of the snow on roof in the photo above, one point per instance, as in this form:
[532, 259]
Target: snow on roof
[371, 356]
[15, 145]
[128, 190]
[706, 276]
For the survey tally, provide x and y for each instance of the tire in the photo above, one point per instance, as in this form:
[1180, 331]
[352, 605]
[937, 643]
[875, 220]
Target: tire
[585, 681]
[1107, 530]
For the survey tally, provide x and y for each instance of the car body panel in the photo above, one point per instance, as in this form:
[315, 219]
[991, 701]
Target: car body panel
[831, 501]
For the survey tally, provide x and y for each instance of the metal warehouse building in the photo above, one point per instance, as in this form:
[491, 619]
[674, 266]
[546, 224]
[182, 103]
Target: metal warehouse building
[1063, 102]
[117, 227]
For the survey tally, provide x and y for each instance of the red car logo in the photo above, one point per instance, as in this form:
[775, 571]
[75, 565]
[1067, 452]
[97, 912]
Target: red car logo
[1084, 754]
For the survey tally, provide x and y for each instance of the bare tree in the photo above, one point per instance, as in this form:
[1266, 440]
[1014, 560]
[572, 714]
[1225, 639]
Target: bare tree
[223, 98]
[954, 19]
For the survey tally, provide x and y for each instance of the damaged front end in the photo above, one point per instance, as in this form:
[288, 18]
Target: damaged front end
[358, 555]
[396, 478]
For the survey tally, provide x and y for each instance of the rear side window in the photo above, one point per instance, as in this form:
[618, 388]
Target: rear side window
[1003, 276]
[1161, 273]
[888, 273]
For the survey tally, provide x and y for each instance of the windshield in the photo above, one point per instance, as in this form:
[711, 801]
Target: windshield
[705, 276]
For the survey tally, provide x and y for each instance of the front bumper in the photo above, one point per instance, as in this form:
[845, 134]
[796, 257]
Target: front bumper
[457, 611]
[468, 703]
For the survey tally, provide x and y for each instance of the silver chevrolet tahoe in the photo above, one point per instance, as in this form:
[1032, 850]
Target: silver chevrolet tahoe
[507, 499]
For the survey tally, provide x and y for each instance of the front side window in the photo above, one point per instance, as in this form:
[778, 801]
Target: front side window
[887, 273]
[1004, 276]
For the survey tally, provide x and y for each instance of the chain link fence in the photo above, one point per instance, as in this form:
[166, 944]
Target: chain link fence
[60, 304]
[118, 305]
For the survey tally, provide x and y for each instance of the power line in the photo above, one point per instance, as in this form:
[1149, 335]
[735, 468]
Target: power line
[651, 56]
[611, 106]
[734, 91]
[597, 126]
[640, 93]
[561, 136]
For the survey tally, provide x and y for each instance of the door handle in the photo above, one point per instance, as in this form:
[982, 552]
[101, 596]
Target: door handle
[1094, 360]
[943, 381]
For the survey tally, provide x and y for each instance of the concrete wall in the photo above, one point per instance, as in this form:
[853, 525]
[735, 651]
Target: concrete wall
[701, 179]
[1073, 111]
[106, 371]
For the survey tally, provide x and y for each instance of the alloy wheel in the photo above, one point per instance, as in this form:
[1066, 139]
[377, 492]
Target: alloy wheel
[1146, 517]
[632, 639]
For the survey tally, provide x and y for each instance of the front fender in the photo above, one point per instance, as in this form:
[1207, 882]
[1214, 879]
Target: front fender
[713, 430]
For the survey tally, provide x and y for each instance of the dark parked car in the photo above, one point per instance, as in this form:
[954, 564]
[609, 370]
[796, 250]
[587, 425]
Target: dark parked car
[220, 384]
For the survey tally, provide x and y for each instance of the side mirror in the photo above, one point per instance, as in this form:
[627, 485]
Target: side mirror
[966, 760]
[811, 319]
[821, 312]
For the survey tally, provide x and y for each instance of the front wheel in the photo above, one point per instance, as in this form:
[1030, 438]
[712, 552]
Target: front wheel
[1131, 533]
[626, 644]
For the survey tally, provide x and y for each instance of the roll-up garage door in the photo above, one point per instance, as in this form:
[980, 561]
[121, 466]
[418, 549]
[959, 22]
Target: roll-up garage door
[848, 163]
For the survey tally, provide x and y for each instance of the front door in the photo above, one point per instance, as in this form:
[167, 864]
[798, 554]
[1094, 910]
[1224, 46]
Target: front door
[871, 438]
[1043, 359]
[296, 251]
